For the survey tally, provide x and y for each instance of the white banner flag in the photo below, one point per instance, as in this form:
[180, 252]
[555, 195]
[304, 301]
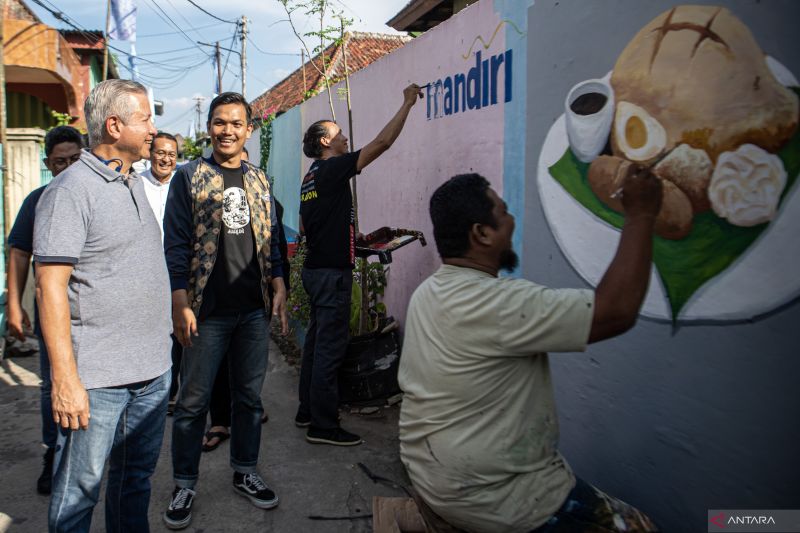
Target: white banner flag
[123, 20]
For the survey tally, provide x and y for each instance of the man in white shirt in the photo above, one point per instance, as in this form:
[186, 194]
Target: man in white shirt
[478, 423]
[163, 158]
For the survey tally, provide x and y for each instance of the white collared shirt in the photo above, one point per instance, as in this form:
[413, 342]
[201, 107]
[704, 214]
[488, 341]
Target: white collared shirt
[157, 196]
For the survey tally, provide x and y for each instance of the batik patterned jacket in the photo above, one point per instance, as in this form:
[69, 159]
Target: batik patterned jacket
[193, 221]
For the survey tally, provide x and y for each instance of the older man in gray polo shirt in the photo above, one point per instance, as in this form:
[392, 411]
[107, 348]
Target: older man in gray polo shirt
[104, 300]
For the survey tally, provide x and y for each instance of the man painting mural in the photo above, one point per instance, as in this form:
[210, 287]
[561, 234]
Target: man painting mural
[62, 147]
[326, 212]
[103, 294]
[478, 424]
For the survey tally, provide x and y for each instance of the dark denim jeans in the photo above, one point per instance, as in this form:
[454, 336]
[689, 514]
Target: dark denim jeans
[326, 343]
[49, 428]
[587, 508]
[220, 406]
[245, 338]
[127, 427]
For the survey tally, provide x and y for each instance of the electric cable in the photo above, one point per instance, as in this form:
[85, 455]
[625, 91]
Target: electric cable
[269, 53]
[212, 15]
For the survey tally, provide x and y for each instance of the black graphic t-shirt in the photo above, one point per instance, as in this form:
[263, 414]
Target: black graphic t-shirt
[326, 209]
[236, 278]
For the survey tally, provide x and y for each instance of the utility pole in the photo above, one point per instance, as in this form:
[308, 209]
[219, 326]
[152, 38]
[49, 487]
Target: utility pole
[105, 53]
[219, 70]
[198, 109]
[217, 47]
[244, 57]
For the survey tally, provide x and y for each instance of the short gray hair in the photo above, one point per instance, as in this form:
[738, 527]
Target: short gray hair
[109, 98]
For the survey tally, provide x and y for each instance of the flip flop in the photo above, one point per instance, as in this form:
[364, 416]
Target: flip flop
[219, 435]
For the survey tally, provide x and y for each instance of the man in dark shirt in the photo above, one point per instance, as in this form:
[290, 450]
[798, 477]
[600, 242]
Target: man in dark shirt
[326, 211]
[222, 254]
[62, 147]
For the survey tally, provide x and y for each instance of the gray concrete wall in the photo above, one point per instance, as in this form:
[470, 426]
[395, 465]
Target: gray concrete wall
[675, 420]
[24, 168]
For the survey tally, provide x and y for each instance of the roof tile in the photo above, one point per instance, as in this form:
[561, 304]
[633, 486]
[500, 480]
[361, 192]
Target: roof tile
[362, 49]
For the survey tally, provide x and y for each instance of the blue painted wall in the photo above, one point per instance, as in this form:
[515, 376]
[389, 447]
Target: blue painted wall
[516, 13]
[285, 165]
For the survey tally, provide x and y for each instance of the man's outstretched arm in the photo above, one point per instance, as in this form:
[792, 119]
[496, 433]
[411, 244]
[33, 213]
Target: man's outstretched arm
[622, 289]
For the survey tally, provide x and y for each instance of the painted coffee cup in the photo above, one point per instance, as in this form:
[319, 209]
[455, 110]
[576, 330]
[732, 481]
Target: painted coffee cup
[589, 112]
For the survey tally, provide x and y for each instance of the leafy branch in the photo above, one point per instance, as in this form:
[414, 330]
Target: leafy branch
[326, 34]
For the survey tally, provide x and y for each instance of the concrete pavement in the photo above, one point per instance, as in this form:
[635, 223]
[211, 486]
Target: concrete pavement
[309, 479]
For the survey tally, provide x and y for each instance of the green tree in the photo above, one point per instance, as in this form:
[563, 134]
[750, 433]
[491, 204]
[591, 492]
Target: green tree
[62, 119]
[191, 150]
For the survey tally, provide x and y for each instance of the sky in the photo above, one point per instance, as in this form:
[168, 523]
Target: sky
[184, 71]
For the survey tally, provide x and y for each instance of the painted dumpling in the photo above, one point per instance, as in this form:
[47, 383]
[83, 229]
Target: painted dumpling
[746, 185]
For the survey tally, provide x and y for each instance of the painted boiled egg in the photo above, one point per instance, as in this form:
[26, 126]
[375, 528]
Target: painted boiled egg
[637, 135]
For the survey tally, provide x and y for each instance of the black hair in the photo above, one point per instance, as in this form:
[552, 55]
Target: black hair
[311, 145]
[455, 206]
[245, 150]
[229, 98]
[165, 135]
[61, 134]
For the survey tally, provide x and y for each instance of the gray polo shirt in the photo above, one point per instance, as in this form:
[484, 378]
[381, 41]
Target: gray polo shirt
[119, 295]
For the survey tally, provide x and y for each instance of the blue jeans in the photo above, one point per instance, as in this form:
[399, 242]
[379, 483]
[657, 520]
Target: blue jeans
[244, 337]
[326, 343]
[49, 428]
[126, 426]
[587, 508]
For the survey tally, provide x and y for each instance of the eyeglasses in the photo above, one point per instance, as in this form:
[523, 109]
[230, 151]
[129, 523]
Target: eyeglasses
[63, 162]
[161, 154]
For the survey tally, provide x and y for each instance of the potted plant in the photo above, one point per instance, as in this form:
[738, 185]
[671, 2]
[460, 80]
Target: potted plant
[369, 371]
[368, 374]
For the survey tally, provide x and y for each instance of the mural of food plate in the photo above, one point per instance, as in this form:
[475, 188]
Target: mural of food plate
[695, 98]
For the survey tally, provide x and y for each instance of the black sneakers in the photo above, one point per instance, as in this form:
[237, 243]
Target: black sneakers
[301, 420]
[252, 487]
[45, 482]
[179, 512]
[335, 436]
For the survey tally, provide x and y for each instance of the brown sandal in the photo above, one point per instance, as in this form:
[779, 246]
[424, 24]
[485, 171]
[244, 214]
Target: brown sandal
[221, 437]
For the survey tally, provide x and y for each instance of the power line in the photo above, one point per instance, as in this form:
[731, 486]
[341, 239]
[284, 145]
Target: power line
[233, 40]
[182, 116]
[213, 15]
[269, 53]
[169, 51]
[174, 32]
[188, 24]
[174, 25]
[165, 66]
[60, 15]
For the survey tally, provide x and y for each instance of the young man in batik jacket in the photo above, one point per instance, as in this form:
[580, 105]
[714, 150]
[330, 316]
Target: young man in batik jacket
[223, 257]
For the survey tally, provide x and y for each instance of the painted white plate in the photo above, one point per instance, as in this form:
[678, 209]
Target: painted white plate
[763, 278]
